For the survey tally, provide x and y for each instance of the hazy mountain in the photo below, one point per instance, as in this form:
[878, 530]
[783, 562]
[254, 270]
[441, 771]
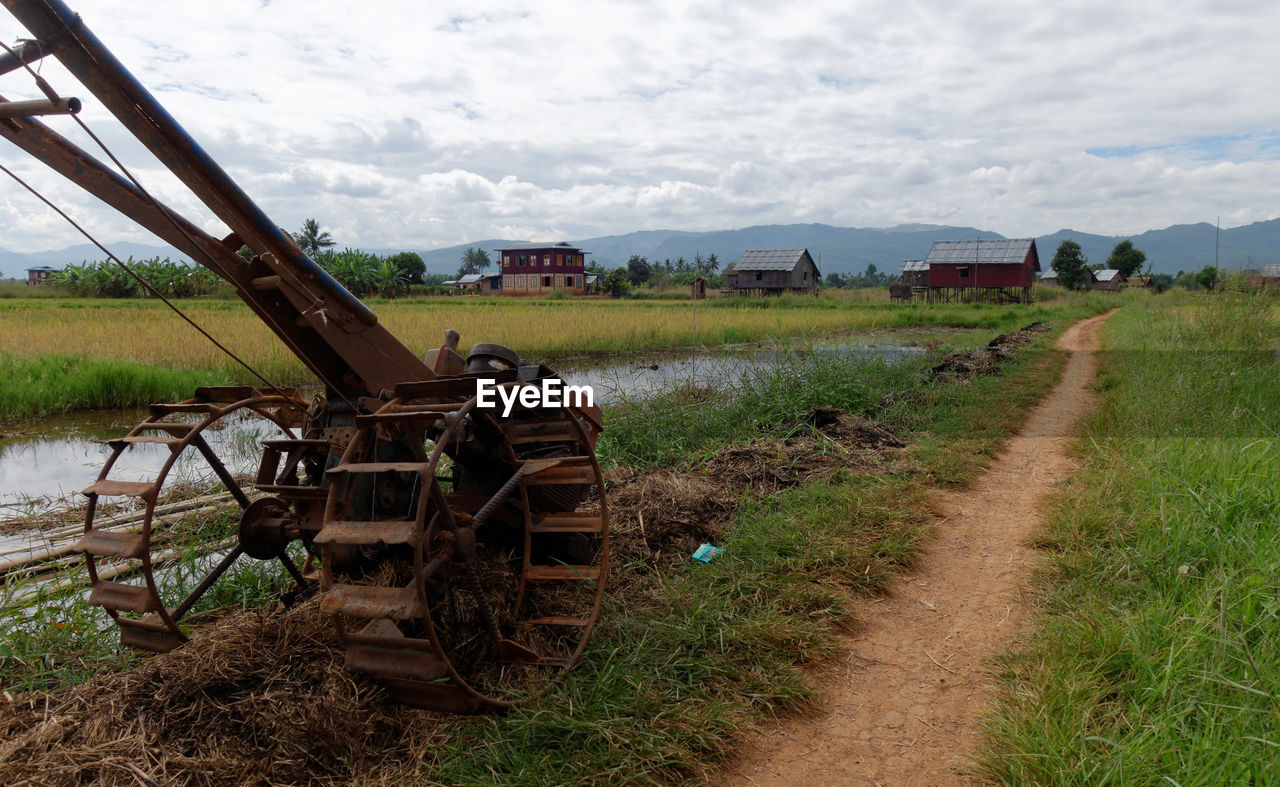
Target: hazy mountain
[836, 249]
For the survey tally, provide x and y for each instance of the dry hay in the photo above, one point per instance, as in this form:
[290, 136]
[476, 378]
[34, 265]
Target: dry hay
[988, 358]
[257, 700]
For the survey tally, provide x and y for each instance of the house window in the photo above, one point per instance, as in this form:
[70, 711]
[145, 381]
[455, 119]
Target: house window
[560, 281]
[506, 282]
[759, 275]
[546, 259]
[522, 259]
[559, 259]
[963, 270]
[546, 281]
[520, 285]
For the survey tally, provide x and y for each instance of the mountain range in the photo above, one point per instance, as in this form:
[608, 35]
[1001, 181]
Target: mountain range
[1182, 247]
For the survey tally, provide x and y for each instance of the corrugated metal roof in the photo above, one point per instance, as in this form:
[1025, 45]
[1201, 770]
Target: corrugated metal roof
[43, 268]
[1271, 271]
[982, 252]
[1049, 274]
[769, 260]
[1106, 275]
[561, 246]
[914, 266]
[470, 278]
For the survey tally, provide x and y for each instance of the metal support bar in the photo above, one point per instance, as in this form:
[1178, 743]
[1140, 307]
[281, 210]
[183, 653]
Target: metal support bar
[39, 106]
[25, 52]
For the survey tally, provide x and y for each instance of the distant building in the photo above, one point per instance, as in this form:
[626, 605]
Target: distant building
[1271, 276]
[39, 273]
[915, 273]
[1000, 271]
[1108, 279]
[772, 271]
[541, 268]
[1050, 278]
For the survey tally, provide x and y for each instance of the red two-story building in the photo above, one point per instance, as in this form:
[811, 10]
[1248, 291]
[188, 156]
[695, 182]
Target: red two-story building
[540, 268]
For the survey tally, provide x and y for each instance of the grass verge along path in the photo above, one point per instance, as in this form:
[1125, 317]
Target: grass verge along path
[903, 707]
[1155, 656]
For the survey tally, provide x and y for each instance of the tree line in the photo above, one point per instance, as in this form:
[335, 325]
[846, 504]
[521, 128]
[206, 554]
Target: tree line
[362, 273]
[1072, 267]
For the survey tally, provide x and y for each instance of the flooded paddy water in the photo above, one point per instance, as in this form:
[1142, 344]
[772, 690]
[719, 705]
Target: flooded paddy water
[45, 463]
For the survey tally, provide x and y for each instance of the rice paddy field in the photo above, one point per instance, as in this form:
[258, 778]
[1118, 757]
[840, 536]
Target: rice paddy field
[74, 353]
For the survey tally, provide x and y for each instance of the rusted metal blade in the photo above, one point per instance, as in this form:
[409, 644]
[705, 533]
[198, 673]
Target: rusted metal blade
[442, 697]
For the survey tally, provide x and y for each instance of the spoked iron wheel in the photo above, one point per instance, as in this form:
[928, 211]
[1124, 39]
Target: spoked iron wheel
[121, 563]
[499, 579]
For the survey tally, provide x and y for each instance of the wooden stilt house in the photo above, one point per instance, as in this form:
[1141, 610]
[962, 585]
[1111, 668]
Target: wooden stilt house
[993, 271]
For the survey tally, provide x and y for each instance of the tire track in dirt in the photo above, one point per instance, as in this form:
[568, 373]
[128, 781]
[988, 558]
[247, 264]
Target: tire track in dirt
[905, 705]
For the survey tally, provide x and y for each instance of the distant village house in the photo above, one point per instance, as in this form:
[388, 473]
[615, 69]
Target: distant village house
[39, 273]
[542, 268]
[772, 272]
[1050, 278]
[1108, 280]
[997, 271]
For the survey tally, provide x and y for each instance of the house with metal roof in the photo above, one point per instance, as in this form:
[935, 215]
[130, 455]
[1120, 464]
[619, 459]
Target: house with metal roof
[984, 270]
[39, 273]
[771, 272]
[542, 268]
[915, 273]
[1270, 276]
[1108, 279]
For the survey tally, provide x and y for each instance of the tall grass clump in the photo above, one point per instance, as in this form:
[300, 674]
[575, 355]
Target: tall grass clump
[58, 383]
[1156, 656]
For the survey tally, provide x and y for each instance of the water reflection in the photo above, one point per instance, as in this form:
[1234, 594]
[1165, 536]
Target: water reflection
[56, 458]
[67, 453]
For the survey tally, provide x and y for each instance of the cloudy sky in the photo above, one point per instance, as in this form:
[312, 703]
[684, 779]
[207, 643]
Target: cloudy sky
[415, 124]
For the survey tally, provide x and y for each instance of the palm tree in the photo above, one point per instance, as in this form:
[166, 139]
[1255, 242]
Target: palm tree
[311, 239]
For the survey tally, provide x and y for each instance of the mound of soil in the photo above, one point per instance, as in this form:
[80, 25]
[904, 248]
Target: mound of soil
[987, 359]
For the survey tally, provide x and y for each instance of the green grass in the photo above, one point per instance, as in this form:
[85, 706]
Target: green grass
[688, 658]
[687, 661]
[1156, 655]
[58, 383]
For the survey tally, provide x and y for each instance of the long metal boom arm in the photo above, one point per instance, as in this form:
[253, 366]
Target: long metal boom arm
[330, 330]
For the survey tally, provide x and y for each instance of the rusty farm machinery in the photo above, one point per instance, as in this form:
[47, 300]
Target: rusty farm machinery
[462, 551]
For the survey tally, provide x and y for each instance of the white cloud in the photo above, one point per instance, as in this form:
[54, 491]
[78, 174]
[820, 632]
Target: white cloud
[402, 123]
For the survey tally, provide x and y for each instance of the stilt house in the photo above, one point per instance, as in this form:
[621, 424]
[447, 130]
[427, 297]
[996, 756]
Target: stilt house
[771, 272]
[996, 271]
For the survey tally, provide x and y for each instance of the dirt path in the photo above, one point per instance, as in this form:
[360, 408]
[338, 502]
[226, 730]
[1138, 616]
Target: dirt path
[904, 708]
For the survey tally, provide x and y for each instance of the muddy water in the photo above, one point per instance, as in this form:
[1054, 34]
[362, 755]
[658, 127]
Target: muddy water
[46, 463]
